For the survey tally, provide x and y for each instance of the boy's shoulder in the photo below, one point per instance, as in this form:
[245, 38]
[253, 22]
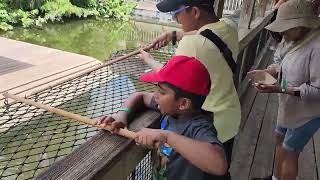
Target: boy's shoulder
[199, 127]
[203, 120]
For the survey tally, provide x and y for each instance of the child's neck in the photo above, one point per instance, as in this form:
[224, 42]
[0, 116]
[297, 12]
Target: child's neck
[189, 113]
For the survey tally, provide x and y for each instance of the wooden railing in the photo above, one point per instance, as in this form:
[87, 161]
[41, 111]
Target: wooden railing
[253, 38]
[231, 5]
[104, 156]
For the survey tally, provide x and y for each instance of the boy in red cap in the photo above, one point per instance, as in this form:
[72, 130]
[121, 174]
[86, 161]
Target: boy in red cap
[187, 139]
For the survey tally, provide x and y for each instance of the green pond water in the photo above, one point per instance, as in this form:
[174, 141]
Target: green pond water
[96, 38]
[33, 144]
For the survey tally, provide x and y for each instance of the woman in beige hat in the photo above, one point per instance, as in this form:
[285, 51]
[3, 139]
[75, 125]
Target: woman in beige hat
[297, 64]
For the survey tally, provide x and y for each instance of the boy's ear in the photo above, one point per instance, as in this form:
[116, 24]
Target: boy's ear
[184, 104]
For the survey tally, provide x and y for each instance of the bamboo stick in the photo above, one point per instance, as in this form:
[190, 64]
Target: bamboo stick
[122, 132]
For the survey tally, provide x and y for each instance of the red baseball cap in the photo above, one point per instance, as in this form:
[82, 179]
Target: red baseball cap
[186, 73]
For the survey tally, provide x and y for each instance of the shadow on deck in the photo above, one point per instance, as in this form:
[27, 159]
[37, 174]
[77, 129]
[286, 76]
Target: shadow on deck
[254, 148]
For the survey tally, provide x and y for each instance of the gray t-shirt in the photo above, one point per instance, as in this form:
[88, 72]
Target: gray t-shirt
[199, 127]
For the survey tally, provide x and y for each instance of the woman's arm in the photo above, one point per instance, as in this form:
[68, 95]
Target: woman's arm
[311, 89]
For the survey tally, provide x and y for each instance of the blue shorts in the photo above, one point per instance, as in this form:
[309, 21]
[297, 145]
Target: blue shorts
[295, 139]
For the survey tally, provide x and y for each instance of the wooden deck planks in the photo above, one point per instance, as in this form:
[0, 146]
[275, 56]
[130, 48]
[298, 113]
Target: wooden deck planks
[36, 67]
[254, 147]
[307, 163]
[247, 140]
[262, 165]
[316, 141]
[246, 104]
[8, 65]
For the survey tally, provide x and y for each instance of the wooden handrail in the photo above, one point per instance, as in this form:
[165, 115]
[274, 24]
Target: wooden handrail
[247, 35]
[104, 155]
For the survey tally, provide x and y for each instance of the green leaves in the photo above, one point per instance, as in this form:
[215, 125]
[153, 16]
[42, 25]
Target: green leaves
[115, 9]
[26, 5]
[85, 3]
[29, 13]
[5, 26]
[57, 10]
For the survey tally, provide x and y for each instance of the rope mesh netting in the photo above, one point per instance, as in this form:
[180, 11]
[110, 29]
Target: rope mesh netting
[143, 171]
[32, 139]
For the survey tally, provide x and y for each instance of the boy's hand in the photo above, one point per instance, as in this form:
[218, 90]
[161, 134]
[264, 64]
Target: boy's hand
[151, 138]
[115, 124]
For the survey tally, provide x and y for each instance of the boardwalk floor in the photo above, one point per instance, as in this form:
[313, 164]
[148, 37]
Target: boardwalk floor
[254, 148]
[26, 67]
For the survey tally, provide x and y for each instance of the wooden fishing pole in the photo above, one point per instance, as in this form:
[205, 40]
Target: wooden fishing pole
[146, 48]
[122, 131]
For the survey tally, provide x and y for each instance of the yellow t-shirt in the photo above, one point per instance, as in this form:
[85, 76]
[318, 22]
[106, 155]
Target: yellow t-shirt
[223, 98]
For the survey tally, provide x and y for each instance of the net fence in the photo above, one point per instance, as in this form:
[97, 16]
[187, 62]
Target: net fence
[32, 139]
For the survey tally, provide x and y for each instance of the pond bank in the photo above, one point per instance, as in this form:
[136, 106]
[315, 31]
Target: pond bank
[26, 67]
[95, 38]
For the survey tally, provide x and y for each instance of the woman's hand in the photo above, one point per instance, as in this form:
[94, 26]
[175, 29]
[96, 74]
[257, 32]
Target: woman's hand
[264, 88]
[256, 74]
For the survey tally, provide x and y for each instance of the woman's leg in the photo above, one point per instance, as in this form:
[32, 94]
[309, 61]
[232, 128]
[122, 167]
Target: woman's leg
[293, 143]
[289, 170]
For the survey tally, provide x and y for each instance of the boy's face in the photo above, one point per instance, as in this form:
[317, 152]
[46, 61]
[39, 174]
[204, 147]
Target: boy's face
[165, 97]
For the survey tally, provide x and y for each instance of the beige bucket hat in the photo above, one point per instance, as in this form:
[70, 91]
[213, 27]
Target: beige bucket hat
[294, 13]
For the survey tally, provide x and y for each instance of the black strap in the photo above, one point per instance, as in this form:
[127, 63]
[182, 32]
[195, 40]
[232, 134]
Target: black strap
[226, 52]
[174, 38]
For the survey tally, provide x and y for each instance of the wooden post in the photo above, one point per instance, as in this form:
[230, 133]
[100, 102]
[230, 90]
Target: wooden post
[262, 40]
[262, 8]
[246, 13]
[240, 64]
[218, 7]
[270, 4]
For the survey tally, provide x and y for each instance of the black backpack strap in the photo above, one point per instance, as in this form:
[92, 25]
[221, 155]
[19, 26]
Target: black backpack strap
[226, 52]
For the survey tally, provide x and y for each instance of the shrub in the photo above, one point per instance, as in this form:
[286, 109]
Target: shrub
[85, 3]
[26, 4]
[28, 13]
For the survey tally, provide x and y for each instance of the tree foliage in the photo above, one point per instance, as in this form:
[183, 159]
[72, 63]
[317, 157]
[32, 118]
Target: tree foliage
[28, 13]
